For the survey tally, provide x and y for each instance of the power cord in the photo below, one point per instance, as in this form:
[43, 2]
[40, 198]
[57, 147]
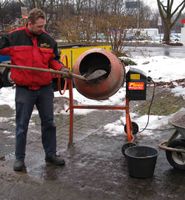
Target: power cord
[149, 79]
[160, 129]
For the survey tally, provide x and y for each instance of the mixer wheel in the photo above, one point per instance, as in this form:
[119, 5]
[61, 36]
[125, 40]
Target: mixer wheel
[135, 128]
[127, 145]
[176, 159]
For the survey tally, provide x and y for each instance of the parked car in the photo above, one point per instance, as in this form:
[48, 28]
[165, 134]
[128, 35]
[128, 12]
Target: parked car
[175, 37]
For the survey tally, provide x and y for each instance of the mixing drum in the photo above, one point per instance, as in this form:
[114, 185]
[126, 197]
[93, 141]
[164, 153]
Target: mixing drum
[98, 60]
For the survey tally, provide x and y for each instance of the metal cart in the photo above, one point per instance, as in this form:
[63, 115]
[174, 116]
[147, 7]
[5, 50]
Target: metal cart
[175, 146]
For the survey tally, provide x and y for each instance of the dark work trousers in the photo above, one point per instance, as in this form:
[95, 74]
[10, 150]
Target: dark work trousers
[25, 100]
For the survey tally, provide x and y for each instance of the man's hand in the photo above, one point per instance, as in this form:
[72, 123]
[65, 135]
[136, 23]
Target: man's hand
[66, 72]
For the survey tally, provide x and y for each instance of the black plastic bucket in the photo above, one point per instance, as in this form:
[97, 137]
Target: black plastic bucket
[141, 161]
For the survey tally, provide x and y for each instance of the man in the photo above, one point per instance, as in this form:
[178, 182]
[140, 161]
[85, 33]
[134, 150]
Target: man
[32, 46]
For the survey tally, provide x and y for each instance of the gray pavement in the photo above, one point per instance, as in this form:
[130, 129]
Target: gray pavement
[95, 167]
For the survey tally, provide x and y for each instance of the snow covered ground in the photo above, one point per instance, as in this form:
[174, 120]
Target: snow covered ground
[160, 68]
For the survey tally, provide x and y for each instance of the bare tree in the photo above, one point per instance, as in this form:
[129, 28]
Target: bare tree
[89, 21]
[35, 3]
[3, 4]
[145, 15]
[9, 13]
[169, 16]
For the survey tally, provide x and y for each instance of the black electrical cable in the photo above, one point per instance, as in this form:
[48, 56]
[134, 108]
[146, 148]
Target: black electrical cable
[156, 129]
[149, 79]
[160, 129]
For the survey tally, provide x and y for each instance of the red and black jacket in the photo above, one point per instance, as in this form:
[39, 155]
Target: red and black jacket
[30, 50]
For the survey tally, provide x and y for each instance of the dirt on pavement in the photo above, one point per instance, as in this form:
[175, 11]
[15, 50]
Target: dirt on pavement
[95, 167]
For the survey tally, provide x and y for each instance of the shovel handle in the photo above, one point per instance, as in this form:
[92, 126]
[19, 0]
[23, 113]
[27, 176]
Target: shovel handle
[44, 70]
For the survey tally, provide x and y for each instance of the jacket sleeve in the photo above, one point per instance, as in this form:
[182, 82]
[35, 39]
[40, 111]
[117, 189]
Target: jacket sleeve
[55, 63]
[4, 45]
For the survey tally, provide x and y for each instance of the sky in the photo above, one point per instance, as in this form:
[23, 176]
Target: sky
[151, 66]
[153, 3]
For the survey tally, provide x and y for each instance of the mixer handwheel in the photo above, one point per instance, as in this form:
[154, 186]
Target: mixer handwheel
[176, 159]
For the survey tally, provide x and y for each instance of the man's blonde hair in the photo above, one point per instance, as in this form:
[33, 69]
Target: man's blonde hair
[35, 14]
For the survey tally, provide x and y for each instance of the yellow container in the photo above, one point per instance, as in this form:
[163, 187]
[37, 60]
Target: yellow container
[74, 52]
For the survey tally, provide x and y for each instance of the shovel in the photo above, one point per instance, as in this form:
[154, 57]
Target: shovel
[96, 75]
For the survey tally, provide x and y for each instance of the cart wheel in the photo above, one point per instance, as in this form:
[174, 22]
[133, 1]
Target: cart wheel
[127, 145]
[1, 81]
[135, 128]
[7, 82]
[176, 159]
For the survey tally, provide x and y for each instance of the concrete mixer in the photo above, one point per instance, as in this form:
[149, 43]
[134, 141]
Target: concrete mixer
[103, 87]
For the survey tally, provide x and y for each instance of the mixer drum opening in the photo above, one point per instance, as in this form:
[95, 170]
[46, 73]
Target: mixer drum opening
[93, 62]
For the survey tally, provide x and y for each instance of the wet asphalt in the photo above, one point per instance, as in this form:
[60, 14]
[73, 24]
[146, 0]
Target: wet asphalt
[95, 167]
[169, 51]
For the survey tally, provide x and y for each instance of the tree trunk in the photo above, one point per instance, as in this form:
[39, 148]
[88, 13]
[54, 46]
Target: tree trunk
[169, 16]
[167, 31]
